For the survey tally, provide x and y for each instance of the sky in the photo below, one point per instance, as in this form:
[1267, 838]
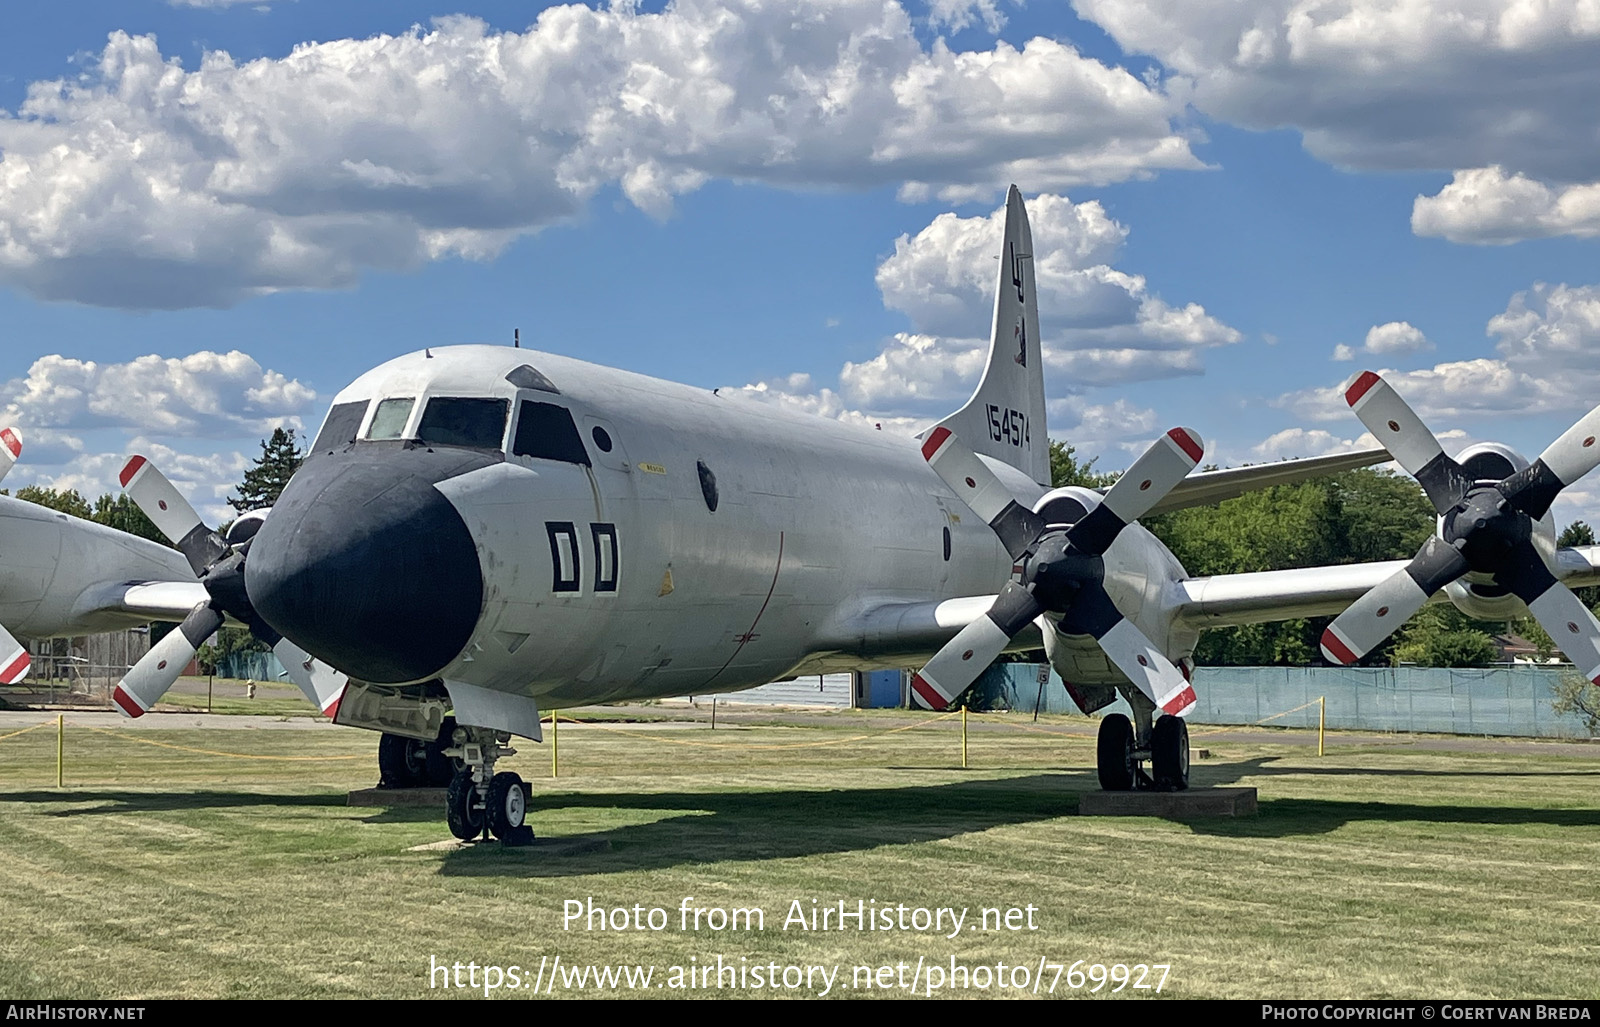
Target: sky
[215, 214]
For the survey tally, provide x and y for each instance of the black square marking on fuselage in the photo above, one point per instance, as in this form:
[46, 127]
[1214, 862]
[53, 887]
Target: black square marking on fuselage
[564, 559]
[605, 556]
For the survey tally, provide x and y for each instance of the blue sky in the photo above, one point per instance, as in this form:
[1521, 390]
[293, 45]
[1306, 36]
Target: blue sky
[214, 215]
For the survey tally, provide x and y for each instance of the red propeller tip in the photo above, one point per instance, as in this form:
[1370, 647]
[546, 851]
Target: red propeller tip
[130, 470]
[920, 685]
[12, 443]
[125, 700]
[1360, 386]
[934, 441]
[1187, 443]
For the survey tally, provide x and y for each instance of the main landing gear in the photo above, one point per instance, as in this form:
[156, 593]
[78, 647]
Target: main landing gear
[1122, 751]
[414, 763]
[479, 801]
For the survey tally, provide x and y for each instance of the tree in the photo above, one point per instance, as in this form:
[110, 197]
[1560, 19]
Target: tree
[1353, 517]
[66, 501]
[1442, 636]
[122, 513]
[263, 484]
[1576, 694]
[1066, 470]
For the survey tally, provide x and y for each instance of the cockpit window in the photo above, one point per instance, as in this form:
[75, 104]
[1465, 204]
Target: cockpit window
[344, 420]
[473, 422]
[546, 431]
[389, 420]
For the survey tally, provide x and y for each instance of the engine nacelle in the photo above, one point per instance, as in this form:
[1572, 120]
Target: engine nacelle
[1066, 505]
[245, 526]
[1475, 594]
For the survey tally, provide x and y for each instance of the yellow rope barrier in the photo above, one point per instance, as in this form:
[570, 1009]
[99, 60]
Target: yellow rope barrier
[212, 752]
[26, 730]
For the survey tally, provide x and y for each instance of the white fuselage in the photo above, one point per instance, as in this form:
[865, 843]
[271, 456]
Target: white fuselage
[815, 521]
[59, 574]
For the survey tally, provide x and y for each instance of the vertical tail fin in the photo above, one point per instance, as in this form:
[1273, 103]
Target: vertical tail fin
[1005, 418]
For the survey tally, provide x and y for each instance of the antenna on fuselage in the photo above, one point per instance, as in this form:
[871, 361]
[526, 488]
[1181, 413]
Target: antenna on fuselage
[516, 338]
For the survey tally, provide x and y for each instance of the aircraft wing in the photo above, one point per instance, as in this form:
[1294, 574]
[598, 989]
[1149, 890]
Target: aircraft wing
[1227, 600]
[141, 601]
[1205, 487]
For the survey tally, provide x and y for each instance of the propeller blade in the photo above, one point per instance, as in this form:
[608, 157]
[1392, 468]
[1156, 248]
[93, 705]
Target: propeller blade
[10, 450]
[323, 685]
[1398, 429]
[1364, 625]
[1147, 667]
[978, 487]
[1570, 624]
[1564, 461]
[958, 664]
[171, 513]
[1141, 487]
[14, 660]
[149, 679]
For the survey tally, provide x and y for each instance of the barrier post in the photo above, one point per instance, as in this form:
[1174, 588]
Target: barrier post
[555, 747]
[61, 733]
[1322, 723]
[963, 738]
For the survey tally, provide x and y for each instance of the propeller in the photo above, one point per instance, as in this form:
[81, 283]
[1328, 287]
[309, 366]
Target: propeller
[1486, 528]
[1063, 571]
[14, 660]
[219, 564]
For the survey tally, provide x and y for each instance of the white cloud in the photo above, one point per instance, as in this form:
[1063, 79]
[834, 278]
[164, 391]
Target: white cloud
[144, 185]
[1549, 360]
[1292, 443]
[1486, 205]
[956, 15]
[205, 480]
[211, 395]
[1099, 325]
[1403, 84]
[1388, 338]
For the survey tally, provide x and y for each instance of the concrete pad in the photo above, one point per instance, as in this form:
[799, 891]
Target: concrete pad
[1197, 802]
[539, 846]
[434, 797]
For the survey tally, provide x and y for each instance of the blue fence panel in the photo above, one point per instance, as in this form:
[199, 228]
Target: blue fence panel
[1512, 701]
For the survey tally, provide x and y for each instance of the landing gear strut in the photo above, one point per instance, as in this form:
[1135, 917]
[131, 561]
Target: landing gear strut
[479, 801]
[1123, 750]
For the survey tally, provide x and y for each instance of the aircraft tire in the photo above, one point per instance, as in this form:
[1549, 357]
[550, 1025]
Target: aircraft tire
[1114, 753]
[460, 808]
[508, 805]
[402, 762]
[1169, 754]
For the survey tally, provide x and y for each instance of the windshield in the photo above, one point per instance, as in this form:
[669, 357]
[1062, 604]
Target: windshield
[472, 422]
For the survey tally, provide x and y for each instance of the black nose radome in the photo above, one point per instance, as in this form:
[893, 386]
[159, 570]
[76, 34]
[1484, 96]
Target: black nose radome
[367, 566]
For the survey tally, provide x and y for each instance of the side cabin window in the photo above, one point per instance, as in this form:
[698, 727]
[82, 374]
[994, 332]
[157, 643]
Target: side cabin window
[344, 420]
[389, 420]
[471, 422]
[546, 432]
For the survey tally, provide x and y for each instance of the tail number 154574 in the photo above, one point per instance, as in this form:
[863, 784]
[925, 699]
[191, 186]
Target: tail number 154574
[1009, 426]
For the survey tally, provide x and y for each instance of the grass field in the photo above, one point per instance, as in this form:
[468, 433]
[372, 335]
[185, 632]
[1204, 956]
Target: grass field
[1375, 871]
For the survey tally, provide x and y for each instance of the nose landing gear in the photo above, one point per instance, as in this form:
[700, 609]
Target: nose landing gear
[480, 802]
